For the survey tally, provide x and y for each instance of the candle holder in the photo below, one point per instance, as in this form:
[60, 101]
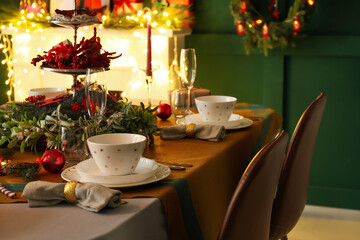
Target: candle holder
[149, 79]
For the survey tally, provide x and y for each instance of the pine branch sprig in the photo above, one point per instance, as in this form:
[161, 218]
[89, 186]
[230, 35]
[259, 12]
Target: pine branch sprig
[26, 170]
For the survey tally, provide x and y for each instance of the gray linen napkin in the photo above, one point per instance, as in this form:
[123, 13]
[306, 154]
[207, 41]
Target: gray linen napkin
[202, 131]
[91, 196]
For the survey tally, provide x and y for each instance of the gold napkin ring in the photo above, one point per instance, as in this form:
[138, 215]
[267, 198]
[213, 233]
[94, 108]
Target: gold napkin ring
[189, 130]
[69, 192]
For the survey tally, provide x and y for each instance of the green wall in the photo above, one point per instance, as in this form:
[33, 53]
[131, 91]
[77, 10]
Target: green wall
[327, 60]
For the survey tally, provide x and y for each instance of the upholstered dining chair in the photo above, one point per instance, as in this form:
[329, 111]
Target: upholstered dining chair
[249, 211]
[293, 185]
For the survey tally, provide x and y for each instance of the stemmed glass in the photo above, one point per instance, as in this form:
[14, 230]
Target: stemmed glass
[96, 94]
[188, 72]
[149, 79]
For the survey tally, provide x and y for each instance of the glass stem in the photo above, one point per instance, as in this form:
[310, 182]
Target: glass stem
[148, 83]
[189, 99]
[74, 85]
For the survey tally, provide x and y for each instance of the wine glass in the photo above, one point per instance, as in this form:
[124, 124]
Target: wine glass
[188, 73]
[95, 94]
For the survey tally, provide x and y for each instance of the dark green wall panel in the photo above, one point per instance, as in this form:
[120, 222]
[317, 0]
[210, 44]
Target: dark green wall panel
[336, 152]
[288, 80]
[333, 17]
[335, 178]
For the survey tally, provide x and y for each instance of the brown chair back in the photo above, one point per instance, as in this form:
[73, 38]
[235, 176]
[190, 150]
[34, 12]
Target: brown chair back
[293, 186]
[249, 211]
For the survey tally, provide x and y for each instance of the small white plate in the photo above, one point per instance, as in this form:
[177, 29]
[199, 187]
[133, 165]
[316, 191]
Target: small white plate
[235, 122]
[89, 171]
[162, 172]
[244, 123]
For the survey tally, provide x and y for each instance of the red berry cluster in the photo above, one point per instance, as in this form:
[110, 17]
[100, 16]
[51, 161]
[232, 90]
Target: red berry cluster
[78, 85]
[85, 54]
[76, 107]
[34, 99]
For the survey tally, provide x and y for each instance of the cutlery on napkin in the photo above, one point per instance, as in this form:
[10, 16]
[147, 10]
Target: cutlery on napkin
[200, 131]
[89, 196]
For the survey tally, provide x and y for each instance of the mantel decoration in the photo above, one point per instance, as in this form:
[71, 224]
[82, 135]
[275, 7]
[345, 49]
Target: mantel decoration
[269, 33]
[33, 16]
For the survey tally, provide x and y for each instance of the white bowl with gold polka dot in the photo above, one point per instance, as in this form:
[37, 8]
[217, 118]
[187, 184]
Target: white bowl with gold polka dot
[117, 153]
[215, 108]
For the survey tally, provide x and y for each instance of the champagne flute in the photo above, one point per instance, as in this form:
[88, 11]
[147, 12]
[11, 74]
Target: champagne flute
[96, 94]
[188, 72]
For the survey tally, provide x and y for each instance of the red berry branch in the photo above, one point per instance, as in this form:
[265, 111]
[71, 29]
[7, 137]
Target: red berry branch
[78, 85]
[34, 99]
[88, 53]
[76, 107]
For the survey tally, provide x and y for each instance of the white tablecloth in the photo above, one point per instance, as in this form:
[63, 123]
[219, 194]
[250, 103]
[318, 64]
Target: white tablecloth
[140, 218]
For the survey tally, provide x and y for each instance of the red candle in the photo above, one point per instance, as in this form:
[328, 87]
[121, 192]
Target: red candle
[148, 59]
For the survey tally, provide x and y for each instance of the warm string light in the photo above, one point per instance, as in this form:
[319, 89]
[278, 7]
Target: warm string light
[310, 2]
[265, 31]
[6, 47]
[34, 18]
[257, 22]
[26, 47]
[31, 15]
[161, 18]
[240, 29]
[296, 24]
[243, 6]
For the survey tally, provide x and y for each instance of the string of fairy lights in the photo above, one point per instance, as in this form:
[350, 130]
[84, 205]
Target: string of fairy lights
[33, 17]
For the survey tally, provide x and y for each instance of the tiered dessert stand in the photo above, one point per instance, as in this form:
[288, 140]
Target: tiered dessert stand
[75, 25]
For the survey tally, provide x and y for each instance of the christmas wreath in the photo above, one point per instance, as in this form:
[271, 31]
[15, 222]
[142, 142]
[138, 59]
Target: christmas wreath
[263, 29]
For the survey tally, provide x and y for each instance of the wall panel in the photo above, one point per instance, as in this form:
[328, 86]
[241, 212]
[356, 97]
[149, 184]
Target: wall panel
[289, 80]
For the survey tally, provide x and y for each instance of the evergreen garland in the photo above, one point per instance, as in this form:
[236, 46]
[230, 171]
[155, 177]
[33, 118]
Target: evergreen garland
[269, 33]
[28, 125]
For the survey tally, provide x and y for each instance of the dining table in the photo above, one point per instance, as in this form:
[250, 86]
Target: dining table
[188, 204]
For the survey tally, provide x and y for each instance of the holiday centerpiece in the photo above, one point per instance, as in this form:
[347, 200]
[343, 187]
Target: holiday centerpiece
[38, 121]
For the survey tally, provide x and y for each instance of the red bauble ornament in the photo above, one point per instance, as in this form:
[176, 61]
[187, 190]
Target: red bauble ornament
[275, 14]
[163, 111]
[52, 160]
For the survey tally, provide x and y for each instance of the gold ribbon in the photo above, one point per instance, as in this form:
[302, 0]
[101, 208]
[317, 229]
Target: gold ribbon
[189, 130]
[69, 192]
